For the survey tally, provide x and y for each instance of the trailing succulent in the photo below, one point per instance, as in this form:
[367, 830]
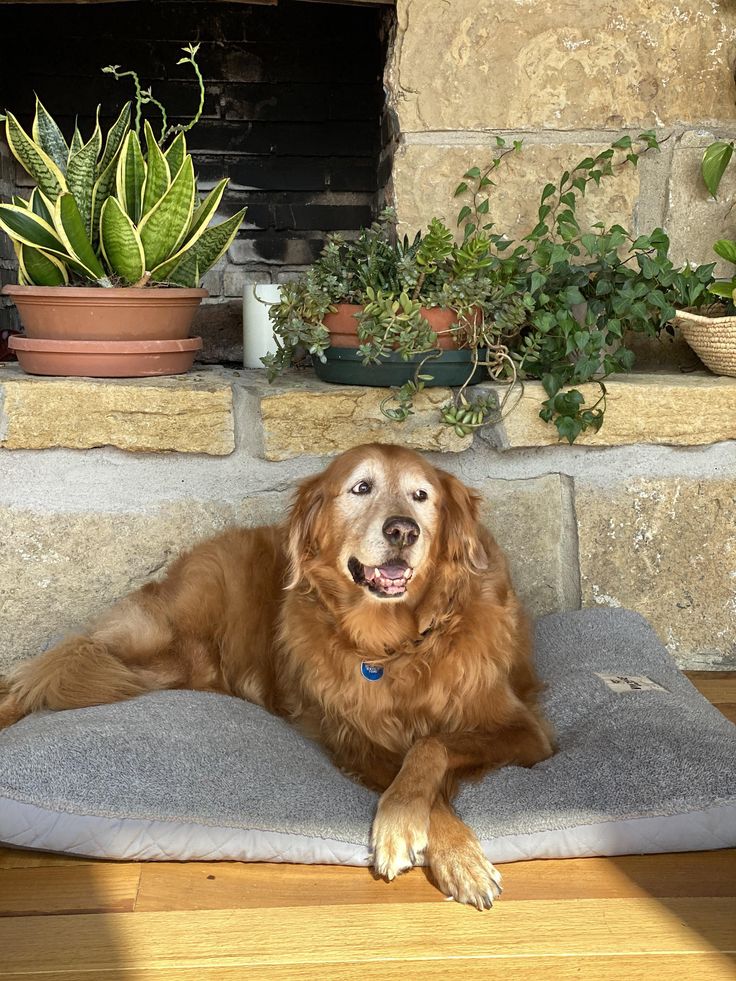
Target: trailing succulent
[113, 211]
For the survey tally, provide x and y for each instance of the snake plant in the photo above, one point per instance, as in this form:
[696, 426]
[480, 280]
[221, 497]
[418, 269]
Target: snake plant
[112, 212]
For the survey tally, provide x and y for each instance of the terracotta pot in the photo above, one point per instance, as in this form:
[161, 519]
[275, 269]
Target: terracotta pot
[343, 326]
[105, 359]
[83, 313]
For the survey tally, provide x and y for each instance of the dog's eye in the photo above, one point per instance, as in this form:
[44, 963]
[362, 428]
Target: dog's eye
[362, 487]
[420, 495]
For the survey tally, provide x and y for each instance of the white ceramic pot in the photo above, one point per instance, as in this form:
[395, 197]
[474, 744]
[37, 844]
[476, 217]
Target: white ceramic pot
[257, 332]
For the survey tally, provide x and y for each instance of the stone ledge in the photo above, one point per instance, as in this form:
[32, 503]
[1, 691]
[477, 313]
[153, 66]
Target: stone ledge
[185, 413]
[662, 409]
[301, 416]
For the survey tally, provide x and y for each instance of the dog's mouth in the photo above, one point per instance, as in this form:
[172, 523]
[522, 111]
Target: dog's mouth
[390, 579]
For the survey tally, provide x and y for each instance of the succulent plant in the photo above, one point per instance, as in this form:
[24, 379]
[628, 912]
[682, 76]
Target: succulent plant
[109, 211]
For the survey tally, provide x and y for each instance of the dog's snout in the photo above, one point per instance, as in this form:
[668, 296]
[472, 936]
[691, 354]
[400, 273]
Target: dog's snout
[401, 531]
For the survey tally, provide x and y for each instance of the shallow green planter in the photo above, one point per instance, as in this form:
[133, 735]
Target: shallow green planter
[344, 366]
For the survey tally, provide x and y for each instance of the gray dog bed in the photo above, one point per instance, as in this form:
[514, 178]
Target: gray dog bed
[645, 764]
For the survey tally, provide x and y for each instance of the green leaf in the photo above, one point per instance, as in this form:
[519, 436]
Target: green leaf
[549, 190]
[158, 176]
[121, 244]
[41, 268]
[465, 212]
[72, 232]
[164, 227]
[715, 160]
[176, 153]
[569, 428]
[473, 173]
[34, 160]
[41, 206]
[49, 138]
[726, 250]
[80, 175]
[115, 136]
[130, 177]
[28, 229]
[204, 212]
[209, 247]
[720, 288]
[104, 187]
[77, 141]
[460, 189]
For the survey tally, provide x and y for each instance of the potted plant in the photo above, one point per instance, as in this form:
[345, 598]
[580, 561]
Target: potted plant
[707, 321]
[382, 311]
[111, 243]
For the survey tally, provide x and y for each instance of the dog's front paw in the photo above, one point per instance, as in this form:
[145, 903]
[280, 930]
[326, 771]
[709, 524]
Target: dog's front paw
[464, 873]
[399, 835]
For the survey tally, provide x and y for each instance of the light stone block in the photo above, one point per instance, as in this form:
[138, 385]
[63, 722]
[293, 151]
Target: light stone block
[60, 570]
[533, 522]
[425, 177]
[534, 64]
[666, 548]
[324, 420]
[667, 409]
[186, 414]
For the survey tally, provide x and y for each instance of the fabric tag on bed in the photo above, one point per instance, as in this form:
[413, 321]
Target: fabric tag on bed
[629, 682]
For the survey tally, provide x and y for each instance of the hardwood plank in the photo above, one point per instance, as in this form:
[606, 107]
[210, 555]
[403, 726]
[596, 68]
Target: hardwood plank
[228, 885]
[727, 709]
[717, 686]
[23, 858]
[703, 967]
[327, 935]
[104, 887]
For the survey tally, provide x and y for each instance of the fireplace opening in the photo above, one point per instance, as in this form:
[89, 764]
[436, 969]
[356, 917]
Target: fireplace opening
[294, 115]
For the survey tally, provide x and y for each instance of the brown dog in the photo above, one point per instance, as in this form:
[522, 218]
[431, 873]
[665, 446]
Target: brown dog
[379, 618]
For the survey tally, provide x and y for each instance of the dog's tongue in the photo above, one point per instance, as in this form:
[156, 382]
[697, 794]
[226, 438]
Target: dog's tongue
[395, 570]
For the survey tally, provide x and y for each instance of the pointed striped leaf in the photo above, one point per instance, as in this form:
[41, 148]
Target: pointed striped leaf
[209, 247]
[41, 206]
[20, 202]
[158, 176]
[41, 268]
[70, 227]
[28, 229]
[104, 187]
[80, 175]
[115, 136]
[130, 177]
[205, 212]
[77, 141]
[164, 227]
[49, 137]
[121, 243]
[33, 159]
[176, 153]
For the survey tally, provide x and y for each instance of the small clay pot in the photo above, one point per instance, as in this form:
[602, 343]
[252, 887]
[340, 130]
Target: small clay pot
[343, 326]
[105, 359]
[84, 313]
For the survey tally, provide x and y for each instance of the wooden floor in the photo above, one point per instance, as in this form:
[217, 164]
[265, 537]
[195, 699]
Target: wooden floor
[639, 917]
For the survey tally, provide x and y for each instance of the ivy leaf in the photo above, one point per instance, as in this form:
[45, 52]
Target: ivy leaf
[568, 428]
[715, 160]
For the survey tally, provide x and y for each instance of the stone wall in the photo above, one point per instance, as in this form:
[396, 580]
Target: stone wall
[94, 503]
[567, 78]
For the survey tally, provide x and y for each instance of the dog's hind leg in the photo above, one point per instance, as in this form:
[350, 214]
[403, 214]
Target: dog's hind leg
[127, 653]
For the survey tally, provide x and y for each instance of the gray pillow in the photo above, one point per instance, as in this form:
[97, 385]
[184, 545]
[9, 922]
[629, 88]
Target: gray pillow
[643, 766]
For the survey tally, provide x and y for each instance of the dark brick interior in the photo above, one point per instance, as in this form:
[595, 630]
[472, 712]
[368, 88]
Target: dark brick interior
[292, 115]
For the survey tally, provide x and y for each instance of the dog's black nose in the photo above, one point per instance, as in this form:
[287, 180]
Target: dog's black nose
[401, 531]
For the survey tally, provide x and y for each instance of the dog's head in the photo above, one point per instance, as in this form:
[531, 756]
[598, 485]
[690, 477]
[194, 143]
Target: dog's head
[382, 520]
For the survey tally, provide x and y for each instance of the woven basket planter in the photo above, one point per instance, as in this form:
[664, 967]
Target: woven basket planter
[712, 338]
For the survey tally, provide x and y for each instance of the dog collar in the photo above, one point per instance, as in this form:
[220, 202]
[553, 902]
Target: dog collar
[371, 672]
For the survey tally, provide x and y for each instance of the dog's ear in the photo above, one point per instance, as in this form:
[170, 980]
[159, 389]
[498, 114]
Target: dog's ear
[303, 525]
[460, 524]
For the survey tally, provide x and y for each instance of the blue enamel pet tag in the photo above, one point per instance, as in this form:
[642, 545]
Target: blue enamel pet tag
[371, 672]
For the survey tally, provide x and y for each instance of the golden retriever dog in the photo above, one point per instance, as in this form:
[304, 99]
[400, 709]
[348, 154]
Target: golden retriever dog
[379, 618]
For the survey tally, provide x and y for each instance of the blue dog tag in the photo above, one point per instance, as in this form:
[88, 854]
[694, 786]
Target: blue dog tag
[371, 672]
